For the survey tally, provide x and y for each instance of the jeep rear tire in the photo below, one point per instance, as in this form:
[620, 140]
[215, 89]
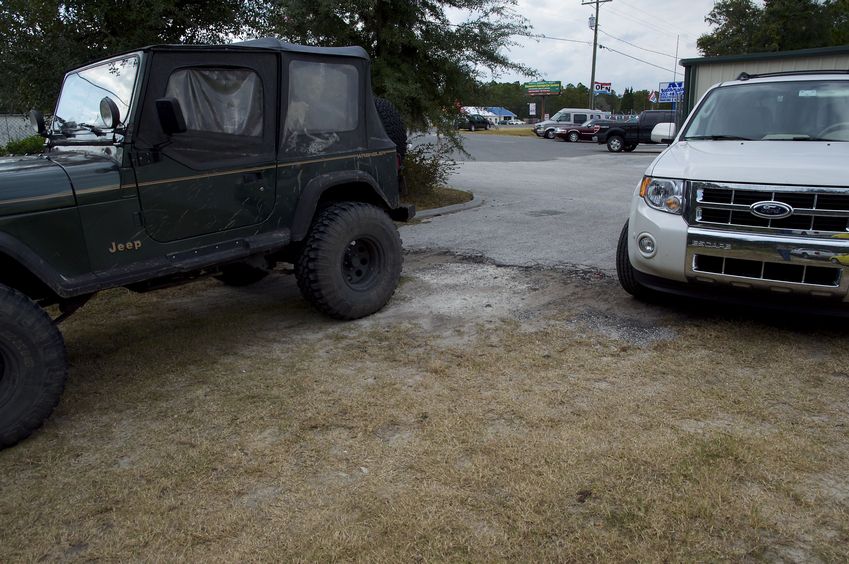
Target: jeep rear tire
[351, 261]
[241, 274]
[573, 137]
[393, 124]
[615, 143]
[33, 366]
[624, 269]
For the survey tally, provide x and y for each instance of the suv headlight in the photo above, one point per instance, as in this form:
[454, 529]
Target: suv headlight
[664, 194]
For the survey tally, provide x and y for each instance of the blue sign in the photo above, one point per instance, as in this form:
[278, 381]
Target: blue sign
[671, 91]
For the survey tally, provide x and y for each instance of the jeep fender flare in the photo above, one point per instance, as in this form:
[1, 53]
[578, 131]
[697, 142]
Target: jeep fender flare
[311, 195]
[29, 263]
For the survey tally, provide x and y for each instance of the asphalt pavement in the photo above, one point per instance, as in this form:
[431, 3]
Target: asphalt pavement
[546, 203]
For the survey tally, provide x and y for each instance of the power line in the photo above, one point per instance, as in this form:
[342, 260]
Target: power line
[652, 16]
[637, 46]
[635, 58]
[543, 36]
[646, 23]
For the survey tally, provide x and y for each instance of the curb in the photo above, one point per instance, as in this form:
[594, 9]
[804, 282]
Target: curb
[475, 202]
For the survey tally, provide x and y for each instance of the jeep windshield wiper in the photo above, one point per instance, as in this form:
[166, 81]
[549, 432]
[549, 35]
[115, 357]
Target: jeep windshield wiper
[716, 138]
[69, 128]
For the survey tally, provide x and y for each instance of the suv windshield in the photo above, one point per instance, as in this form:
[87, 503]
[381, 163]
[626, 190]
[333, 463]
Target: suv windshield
[815, 110]
[78, 110]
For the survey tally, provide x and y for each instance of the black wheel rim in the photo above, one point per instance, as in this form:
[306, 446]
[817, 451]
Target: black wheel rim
[362, 262]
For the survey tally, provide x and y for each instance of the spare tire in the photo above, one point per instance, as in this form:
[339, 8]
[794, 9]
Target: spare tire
[393, 124]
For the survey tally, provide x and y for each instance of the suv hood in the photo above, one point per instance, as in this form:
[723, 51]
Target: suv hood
[30, 184]
[804, 163]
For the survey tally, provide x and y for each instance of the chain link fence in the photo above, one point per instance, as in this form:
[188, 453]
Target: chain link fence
[14, 127]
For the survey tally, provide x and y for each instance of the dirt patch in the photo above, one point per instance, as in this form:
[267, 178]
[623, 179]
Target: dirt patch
[488, 413]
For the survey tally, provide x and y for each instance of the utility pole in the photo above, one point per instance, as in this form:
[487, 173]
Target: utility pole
[594, 26]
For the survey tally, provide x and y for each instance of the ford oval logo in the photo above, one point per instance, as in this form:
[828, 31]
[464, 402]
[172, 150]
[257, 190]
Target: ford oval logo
[771, 210]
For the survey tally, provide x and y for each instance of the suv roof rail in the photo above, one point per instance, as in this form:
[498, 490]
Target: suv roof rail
[747, 76]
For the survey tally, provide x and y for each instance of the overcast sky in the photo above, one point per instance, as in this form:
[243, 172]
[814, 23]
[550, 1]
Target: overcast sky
[646, 24]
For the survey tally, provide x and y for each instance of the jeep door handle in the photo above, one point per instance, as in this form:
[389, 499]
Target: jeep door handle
[251, 177]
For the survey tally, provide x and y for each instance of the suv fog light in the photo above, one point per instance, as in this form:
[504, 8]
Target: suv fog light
[647, 245]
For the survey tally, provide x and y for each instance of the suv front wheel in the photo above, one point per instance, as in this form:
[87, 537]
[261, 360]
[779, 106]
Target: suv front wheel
[351, 261]
[625, 270]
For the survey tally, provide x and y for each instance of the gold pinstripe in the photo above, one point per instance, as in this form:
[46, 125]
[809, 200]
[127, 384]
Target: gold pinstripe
[257, 168]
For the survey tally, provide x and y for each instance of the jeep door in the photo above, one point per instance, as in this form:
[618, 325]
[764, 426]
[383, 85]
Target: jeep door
[220, 173]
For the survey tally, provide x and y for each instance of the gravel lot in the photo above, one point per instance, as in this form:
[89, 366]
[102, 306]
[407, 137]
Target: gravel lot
[503, 407]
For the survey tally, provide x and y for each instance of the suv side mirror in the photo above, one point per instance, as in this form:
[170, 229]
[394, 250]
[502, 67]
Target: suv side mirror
[36, 120]
[170, 115]
[109, 113]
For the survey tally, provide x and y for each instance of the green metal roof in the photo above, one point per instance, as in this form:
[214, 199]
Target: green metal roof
[838, 50]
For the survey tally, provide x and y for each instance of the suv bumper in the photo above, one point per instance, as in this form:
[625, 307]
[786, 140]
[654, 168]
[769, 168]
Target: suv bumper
[738, 260]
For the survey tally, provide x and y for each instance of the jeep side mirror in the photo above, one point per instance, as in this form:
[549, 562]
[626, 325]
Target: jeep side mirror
[109, 113]
[170, 115]
[36, 120]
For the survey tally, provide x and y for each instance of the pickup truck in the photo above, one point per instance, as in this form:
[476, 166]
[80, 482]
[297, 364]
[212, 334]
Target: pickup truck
[750, 203]
[627, 135]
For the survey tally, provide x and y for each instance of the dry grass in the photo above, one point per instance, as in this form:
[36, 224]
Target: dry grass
[504, 130]
[438, 198]
[217, 424]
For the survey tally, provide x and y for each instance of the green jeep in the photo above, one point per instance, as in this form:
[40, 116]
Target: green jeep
[173, 162]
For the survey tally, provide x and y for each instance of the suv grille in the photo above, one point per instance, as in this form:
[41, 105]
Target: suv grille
[816, 211]
[775, 271]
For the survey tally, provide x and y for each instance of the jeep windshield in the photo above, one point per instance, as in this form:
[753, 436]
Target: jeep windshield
[78, 111]
[811, 110]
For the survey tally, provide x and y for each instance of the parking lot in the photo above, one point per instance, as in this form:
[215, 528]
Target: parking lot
[510, 403]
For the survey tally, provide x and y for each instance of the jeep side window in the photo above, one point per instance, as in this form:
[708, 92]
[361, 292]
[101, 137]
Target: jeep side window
[323, 107]
[227, 101]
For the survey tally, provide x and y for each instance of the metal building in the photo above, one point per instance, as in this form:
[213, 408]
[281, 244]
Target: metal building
[700, 74]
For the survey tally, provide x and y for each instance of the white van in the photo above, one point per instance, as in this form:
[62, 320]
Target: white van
[567, 117]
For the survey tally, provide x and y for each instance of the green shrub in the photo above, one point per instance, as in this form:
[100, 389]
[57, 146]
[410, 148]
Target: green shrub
[27, 146]
[427, 167]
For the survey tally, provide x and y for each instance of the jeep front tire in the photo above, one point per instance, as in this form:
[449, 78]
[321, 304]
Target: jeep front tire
[33, 366]
[351, 260]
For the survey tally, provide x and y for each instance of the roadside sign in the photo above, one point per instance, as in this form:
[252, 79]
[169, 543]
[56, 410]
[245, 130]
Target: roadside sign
[532, 109]
[671, 91]
[543, 88]
[653, 97]
[601, 88]
[545, 117]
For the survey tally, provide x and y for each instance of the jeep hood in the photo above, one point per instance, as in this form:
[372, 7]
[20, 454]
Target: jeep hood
[31, 184]
[804, 163]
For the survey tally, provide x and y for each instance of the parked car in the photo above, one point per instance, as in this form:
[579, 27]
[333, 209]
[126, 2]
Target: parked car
[751, 200]
[626, 136]
[472, 122]
[584, 132]
[566, 117]
[515, 122]
[172, 162]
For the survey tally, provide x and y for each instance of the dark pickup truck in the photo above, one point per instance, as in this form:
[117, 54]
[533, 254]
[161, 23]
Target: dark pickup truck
[627, 135]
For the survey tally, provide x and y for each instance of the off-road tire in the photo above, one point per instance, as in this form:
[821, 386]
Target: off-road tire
[393, 124]
[351, 261]
[33, 366]
[241, 274]
[624, 269]
[549, 134]
[629, 148]
[615, 143]
[573, 137]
